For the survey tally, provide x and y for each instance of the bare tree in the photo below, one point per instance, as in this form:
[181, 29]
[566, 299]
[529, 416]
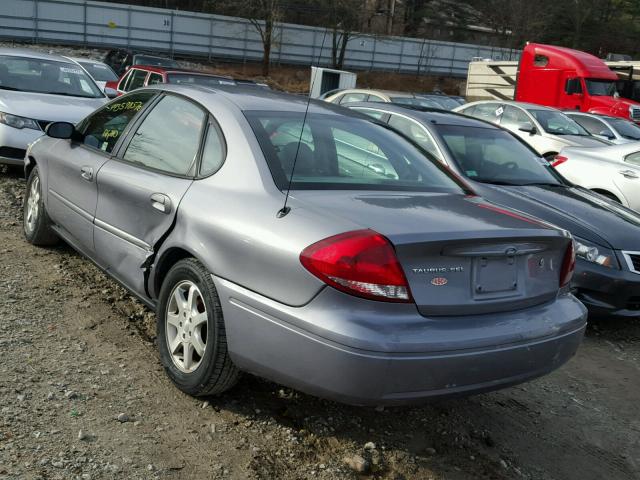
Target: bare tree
[264, 16]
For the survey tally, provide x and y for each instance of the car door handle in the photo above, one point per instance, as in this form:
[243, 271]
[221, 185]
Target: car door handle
[628, 174]
[161, 202]
[87, 173]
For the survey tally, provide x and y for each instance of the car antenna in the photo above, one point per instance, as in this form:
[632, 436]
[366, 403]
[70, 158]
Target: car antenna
[286, 209]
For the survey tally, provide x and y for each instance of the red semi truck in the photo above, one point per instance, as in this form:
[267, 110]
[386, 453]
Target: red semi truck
[556, 77]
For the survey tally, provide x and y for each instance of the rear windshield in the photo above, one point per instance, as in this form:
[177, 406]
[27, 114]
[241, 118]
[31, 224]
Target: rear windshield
[46, 76]
[198, 79]
[99, 71]
[344, 153]
[155, 61]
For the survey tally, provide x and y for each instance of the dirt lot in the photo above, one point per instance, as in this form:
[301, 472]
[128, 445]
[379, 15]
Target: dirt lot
[82, 395]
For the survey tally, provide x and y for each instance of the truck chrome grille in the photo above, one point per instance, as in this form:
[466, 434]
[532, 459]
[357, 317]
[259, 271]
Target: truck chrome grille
[635, 113]
[633, 261]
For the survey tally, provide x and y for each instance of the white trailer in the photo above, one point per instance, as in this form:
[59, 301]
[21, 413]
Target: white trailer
[489, 80]
[326, 79]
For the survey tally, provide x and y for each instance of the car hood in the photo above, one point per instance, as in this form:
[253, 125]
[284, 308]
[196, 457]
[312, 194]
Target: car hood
[42, 106]
[404, 216]
[582, 212]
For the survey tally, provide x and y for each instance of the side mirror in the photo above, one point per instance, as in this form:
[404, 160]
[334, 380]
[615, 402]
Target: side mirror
[527, 128]
[63, 130]
[606, 134]
[110, 92]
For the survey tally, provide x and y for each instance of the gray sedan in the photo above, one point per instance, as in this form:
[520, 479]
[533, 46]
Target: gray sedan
[384, 279]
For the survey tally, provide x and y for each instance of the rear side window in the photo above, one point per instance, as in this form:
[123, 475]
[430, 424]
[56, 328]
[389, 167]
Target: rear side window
[416, 132]
[488, 111]
[103, 129]
[633, 159]
[168, 139]
[136, 80]
[514, 117]
[353, 97]
[344, 152]
[214, 151]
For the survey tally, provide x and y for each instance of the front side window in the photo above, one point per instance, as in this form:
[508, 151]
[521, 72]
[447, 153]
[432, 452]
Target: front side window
[154, 79]
[122, 85]
[136, 80]
[340, 152]
[169, 137]
[36, 75]
[416, 132]
[557, 123]
[491, 155]
[103, 129]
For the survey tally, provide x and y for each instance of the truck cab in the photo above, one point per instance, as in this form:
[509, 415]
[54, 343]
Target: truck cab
[571, 80]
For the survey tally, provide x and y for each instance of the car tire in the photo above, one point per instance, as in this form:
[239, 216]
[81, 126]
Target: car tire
[191, 333]
[36, 223]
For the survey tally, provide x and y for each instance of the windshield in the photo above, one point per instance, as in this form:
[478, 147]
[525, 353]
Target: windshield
[46, 76]
[416, 102]
[198, 79]
[490, 155]
[344, 153]
[155, 61]
[626, 129]
[605, 88]
[99, 71]
[557, 123]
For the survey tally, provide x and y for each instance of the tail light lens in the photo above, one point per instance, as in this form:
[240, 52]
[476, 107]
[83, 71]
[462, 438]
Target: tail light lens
[361, 263]
[558, 160]
[568, 265]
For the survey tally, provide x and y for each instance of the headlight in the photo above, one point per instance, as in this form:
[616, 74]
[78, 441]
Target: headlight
[18, 122]
[595, 253]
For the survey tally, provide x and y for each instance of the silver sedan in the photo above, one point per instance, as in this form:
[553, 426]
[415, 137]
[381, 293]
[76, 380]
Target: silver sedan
[611, 171]
[381, 279]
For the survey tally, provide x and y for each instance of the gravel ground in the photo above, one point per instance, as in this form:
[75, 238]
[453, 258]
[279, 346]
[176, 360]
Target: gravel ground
[83, 396]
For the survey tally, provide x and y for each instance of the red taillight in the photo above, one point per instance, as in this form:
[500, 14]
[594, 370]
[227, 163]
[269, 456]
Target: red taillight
[568, 265]
[361, 263]
[558, 160]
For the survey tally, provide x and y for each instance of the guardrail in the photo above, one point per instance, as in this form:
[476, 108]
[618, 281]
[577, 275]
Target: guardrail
[102, 24]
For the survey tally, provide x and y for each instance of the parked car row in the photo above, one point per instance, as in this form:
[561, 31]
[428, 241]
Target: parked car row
[419, 253]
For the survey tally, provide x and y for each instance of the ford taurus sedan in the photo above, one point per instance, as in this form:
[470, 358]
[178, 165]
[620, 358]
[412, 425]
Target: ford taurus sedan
[504, 170]
[383, 280]
[36, 89]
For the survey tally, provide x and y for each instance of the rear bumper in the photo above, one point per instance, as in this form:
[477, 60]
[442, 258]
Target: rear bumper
[606, 291]
[367, 355]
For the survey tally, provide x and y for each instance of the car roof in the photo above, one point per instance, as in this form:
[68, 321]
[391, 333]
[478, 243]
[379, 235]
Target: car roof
[595, 115]
[249, 98]
[427, 115]
[27, 52]
[525, 105]
[158, 69]
[389, 93]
